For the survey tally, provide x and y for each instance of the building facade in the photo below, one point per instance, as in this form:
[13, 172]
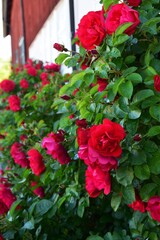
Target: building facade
[34, 25]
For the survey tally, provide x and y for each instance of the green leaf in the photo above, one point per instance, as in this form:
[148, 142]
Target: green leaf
[120, 39]
[128, 194]
[148, 190]
[43, 206]
[101, 67]
[61, 57]
[134, 113]
[94, 237]
[117, 83]
[147, 58]
[153, 131]
[135, 78]
[115, 201]
[155, 112]
[128, 71]
[126, 89]
[142, 172]
[72, 61]
[154, 163]
[107, 3]
[137, 157]
[130, 59]
[122, 28]
[29, 225]
[142, 95]
[124, 175]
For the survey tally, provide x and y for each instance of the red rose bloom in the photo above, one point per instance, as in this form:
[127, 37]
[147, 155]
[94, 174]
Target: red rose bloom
[153, 207]
[91, 31]
[31, 71]
[36, 163]
[6, 196]
[7, 85]
[18, 155]
[24, 84]
[96, 181]
[3, 208]
[14, 103]
[54, 147]
[138, 205]
[39, 191]
[81, 123]
[157, 83]
[105, 138]
[52, 67]
[119, 14]
[134, 3]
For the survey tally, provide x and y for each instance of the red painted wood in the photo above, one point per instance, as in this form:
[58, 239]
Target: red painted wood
[35, 14]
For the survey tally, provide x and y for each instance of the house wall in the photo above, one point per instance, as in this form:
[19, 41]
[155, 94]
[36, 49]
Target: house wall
[57, 28]
[35, 14]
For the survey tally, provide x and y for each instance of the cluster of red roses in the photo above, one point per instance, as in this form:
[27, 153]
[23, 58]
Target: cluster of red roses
[94, 27]
[99, 147]
[32, 69]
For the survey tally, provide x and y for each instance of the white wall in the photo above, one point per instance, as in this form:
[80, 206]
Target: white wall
[57, 29]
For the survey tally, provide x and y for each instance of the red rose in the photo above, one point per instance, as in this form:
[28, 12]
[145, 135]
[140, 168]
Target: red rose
[134, 3]
[119, 14]
[31, 71]
[59, 47]
[39, 191]
[81, 123]
[52, 67]
[24, 84]
[102, 84]
[153, 207]
[3, 208]
[18, 155]
[138, 205]
[7, 85]
[96, 181]
[83, 136]
[105, 138]
[91, 31]
[157, 83]
[36, 163]
[55, 148]
[6, 196]
[14, 103]
[44, 76]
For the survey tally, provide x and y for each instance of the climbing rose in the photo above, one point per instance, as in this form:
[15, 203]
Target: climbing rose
[14, 103]
[7, 85]
[31, 71]
[91, 31]
[19, 155]
[36, 163]
[24, 83]
[105, 138]
[138, 205]
[157, 83]
[54, 147]
[6, 196]
[119, 14]
[3, 208]
[134, 3]
[153, 207]
[96, 181]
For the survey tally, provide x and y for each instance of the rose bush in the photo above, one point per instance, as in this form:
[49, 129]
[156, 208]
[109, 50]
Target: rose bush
[80, 156]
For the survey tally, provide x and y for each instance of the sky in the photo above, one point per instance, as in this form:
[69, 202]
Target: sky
[5, 43]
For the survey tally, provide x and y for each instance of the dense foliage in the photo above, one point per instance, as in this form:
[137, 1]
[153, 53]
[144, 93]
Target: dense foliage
[80, 154]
